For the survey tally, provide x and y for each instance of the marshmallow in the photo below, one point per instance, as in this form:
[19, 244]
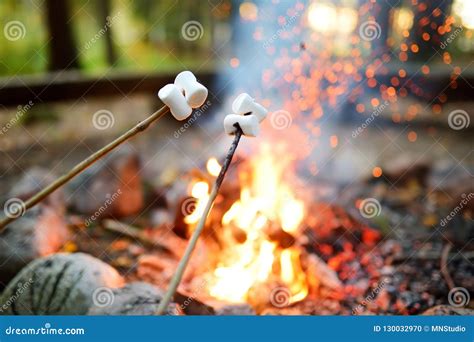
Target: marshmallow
[244, 103]
[248, 123]
[195, 92]
[172, 96]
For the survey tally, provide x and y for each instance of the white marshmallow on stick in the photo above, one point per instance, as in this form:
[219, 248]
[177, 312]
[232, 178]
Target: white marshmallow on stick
[172, 97]
[244, 104]
[194, 92]
[248, 115]
[248, 124]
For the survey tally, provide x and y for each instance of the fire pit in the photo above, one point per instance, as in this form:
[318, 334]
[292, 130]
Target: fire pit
[355, 199]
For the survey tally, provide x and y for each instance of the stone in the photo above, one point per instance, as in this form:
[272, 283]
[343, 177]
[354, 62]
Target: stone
[34, 180]
[41, 231]
[60, 284]
[448, 310]
[402, 170]
[235, 310]
[112, 187]
[190, 305]
[138, 298]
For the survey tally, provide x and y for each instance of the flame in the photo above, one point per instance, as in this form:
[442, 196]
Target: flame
[200, 191]
[213, 167]
[292, 274]
[265, 200]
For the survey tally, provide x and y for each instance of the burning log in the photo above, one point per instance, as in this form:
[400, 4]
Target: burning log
[239, 234]
[281, 237]
[322, 273]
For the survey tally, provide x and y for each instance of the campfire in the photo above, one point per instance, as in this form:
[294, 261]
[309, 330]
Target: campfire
[256, 234]
[328, 208]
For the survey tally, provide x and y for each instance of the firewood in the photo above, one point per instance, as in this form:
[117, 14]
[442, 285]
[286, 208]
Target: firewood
[134, 233]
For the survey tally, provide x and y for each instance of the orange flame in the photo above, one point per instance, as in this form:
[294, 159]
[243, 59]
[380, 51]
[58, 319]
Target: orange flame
[200, 191]
[265, 200]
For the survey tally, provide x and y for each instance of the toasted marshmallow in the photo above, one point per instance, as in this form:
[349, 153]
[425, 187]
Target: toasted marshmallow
[194, 92]
[244, 104]
[172, 97]
[248, 123]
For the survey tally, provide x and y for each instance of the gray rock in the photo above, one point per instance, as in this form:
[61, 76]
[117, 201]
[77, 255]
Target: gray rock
[235, 310]
[61, 284]
[134, 299]
[448, 310]
[112, 187]
[41, 231]
[34, 180]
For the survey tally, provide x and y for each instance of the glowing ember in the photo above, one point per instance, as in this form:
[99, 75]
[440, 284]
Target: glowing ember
[265, 201]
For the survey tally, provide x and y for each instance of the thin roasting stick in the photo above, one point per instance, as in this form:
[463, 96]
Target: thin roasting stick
[175, 281]
[444, 266]
[38, 197]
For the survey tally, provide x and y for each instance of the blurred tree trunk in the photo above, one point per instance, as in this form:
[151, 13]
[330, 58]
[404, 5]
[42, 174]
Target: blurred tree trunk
[104, 12]
[381, 11]
[428, 21]
[63, 53]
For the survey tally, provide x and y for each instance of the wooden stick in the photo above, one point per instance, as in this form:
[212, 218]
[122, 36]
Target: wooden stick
[200, 226]
[444, 266]
[38, 197]
[134, 233]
